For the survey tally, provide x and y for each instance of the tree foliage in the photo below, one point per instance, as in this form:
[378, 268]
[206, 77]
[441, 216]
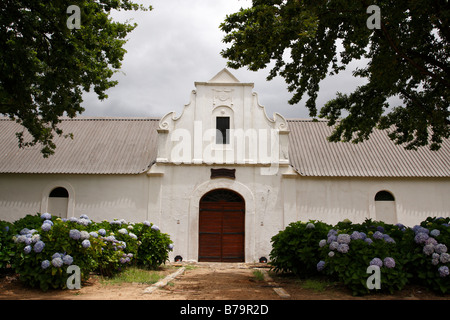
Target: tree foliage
[307, 40]
[45, 66]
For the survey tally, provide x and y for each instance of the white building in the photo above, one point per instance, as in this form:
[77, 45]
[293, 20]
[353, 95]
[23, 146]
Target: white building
[220, 197]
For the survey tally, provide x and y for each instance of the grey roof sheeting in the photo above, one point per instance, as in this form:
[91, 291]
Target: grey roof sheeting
[311, 154]
[129, 146]
[99, 146]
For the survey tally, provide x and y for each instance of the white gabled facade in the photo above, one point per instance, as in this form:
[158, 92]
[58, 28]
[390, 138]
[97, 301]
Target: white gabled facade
[257, 149]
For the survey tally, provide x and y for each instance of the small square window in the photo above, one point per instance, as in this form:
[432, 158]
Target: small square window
[223, 130]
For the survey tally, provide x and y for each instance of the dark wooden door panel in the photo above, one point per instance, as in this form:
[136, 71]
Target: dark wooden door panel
[222, 231]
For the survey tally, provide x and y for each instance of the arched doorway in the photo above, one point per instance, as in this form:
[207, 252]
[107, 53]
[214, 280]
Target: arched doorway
[222, 227]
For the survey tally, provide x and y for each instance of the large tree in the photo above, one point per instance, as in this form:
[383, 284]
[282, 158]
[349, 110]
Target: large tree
[48, 57]
[408, 58]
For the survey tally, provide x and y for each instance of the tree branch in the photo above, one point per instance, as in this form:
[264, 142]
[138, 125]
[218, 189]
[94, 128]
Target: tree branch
[422, 69]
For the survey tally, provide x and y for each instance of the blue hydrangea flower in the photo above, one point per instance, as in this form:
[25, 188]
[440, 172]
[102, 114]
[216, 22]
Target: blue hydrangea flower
[400, 226]
[419, 229]
[331, 254]
[428, 249]
[368, 240]
[334, 245]
[68, 260]
[380, 228]
[445, 257]
[421, 237]
[123, 231]
[331, 238]
[322, 243]
[110, 238]
[46, 216]
[389, 262]
[39, 246]
[435, 232]
[378, 235]
[310, 226]
[75, 234]
[155, 228]
[83, 216]
[45, 264]
[343, 238]
[84, 222]
[56, 255]
[46, 226]
[102, 232]
[86, 243]
[388, 239]
[443, 271]
[132, 235]
[332, 232]
[343, 248]
[57, 262]
[24, 231]
[376, 262]
[27, 249]
[93, 234]
[170, 246]
[320, 265]
[440, 248]
[146, 223]
[35, 238]
[84, 235]
[356, 235]
[122, 245]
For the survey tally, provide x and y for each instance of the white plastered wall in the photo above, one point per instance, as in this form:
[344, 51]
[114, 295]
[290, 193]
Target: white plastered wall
[98, 196]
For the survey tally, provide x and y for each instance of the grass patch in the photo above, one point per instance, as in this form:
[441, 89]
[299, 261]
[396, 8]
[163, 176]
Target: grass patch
[259, 276]
[134, 275]
[317, 284]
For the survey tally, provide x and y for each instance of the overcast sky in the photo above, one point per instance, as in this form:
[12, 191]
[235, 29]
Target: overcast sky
[178, 43]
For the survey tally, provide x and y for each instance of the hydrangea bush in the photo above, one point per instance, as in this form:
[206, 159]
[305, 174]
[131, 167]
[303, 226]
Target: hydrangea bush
[42, 247]
[346, 253]
[427, 253]
[404, 255]
[7, 249]
[294, 249]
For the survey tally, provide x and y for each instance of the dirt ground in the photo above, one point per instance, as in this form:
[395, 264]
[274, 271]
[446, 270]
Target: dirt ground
[205, 281]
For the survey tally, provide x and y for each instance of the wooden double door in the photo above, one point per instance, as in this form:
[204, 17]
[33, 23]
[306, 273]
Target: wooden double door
[222, 227]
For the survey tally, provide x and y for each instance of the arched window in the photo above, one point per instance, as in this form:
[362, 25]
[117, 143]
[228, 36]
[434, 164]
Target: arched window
[384, 196]
[385, 208]
[58, 201]
[59, 193]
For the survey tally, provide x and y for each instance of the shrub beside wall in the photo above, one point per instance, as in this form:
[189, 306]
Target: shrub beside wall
[403, 255]
[40, 248]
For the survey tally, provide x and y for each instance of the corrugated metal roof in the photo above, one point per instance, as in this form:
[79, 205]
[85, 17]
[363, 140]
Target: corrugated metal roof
[99, 146]
[128, 146]
[311, 154]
